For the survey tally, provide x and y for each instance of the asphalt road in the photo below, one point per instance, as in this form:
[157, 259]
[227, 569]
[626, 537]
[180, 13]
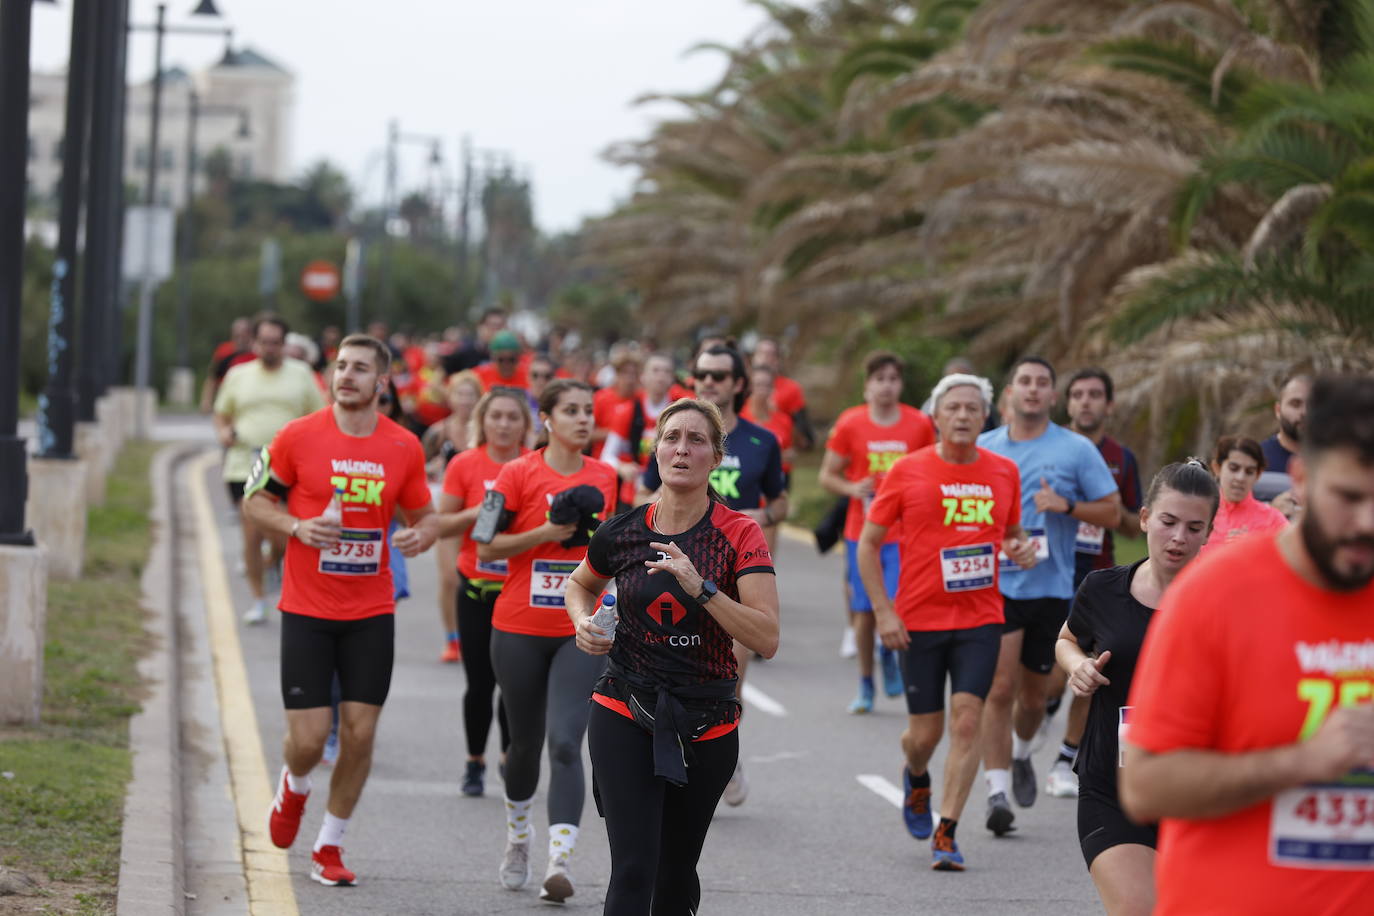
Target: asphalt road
[819, 833]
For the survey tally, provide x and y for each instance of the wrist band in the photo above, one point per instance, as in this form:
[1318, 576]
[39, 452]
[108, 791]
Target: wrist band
[295, 526]
[1072, 504]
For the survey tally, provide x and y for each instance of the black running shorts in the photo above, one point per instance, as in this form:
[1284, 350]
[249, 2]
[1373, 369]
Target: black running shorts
[313, 649]
[968, 657]
[1041, 619]
[235, 488]
[1102, 824]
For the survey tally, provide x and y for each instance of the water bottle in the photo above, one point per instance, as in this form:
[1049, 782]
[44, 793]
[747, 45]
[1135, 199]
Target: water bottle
[605, 616]
[334, 511]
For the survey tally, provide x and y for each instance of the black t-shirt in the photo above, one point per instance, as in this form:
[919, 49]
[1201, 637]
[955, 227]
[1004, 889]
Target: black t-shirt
[1276, 457]
[750, 471]
[664, 635]
[1105, 616]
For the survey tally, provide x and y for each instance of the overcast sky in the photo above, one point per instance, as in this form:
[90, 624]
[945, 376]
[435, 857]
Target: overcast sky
[551, 82]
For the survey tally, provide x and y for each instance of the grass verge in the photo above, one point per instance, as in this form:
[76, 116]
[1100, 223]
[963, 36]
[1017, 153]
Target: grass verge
[62, 789]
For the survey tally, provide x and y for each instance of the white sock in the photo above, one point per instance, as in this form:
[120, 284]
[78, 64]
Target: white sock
[518, 820]
[562, 839]
[331, 831]
[998, 781]
[1020, 747]
[298, 784]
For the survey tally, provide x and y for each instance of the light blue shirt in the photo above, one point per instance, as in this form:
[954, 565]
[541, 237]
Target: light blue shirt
[1074, 469]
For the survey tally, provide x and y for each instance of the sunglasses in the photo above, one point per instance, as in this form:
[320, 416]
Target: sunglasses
[541, 375]
[716, 375]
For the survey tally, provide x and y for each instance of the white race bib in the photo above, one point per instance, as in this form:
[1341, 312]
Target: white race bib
[1090, 540]
[967, 568]
[1325, 826]
[548, 581]
[358, 553]
[1042, 550]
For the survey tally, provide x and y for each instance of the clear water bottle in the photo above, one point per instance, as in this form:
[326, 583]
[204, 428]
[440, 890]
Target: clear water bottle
[334, 511]
[605, 616]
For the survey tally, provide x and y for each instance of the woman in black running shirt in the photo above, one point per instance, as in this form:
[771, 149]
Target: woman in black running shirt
[692, 576]
[1098, 647]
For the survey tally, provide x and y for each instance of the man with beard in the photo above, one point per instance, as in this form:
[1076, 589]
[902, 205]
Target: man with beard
[331, 482]
[1250, 732]
[1291, 411]
[257, 399]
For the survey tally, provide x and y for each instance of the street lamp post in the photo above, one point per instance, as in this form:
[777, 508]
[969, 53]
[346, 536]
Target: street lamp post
[143, 351]
[390, 204]
[57, 405]
[15, 19]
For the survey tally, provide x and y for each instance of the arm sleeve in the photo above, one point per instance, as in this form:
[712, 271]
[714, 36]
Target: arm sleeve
[751, 550]
[415, 494]
[838, 440]
[281, 459]
[1177, 685]
[599, 550]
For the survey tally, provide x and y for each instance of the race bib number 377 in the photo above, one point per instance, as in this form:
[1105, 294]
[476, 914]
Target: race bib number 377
[548, 581]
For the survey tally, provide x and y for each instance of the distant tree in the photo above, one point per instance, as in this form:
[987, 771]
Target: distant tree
[328, 189]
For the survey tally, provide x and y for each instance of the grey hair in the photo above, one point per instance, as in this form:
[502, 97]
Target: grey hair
[956, 379]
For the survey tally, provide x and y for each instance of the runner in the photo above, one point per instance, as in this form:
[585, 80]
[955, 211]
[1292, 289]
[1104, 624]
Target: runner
[626, 370]
[864, 442]
[760, 410]
[507, 367]
[1258, 762]
[1290, 410]
[442, 442]
[1099, 647]
[692, 577]
[502, 422]
[749, 478]
[788, 395]
[1237, 463]
[630, 436]
[236, 350]
[550, 500]
[1064, 481]
[1090, 402]
[955, 505]
[337, 602]
[256, 400]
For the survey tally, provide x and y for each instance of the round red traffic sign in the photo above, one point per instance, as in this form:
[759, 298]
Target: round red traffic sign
[320, 281]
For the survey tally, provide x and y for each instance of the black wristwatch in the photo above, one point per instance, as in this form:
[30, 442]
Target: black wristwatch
[708, 591]
[1068, 510]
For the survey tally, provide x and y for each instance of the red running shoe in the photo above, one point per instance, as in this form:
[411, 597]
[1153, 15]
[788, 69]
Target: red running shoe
[453, 652]
[284, 820]
[327, 868]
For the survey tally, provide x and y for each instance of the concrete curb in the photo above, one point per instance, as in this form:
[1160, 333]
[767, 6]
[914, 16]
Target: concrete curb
[151, 865]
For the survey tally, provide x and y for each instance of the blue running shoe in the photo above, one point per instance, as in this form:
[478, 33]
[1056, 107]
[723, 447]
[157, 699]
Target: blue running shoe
[916, 808]
[945, 853]
[863, 703]
[893, 685]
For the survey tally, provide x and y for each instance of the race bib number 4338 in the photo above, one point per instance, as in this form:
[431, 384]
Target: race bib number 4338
[1325, 826]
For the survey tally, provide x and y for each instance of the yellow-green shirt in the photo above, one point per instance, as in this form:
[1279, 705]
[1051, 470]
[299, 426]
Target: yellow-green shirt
[260, 402]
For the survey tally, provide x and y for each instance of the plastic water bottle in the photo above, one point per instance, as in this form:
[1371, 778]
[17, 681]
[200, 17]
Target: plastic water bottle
[605, 616]
[334, 511]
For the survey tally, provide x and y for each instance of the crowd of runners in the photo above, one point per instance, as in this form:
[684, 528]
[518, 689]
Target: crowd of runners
[605, 531]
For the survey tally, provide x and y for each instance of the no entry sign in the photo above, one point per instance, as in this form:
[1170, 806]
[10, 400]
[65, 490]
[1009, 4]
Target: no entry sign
[320, 281]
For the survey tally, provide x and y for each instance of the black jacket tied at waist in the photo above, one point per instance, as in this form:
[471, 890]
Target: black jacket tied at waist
[675, 715]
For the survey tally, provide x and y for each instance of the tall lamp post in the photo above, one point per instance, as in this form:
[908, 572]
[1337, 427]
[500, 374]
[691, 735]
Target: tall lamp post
[182, 375]
[390, 204]
[143, 352]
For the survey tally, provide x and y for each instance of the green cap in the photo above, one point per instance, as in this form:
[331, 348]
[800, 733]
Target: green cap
[504, 340]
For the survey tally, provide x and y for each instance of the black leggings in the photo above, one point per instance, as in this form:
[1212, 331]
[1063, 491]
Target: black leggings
[547, 684]
[475, 605]
[656, 830]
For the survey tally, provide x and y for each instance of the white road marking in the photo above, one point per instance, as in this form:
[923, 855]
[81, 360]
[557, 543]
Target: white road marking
[762, 701]
[886, 791]
[780, 756]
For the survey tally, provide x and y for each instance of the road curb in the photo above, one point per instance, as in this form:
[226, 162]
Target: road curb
[151, 862]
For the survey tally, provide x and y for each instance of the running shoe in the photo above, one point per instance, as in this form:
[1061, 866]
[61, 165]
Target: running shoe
[331, 748]
[327, 867]
[737, 789]
[1000, 817]
[849, 648]
[945, 853]
[515, 866]
[1062, 781]
[284, 820]
[256, 613]
[557, 881]
[452, 652]
[892, 673]
[474, 780]
[916, 808]
[863, 703]
[1023, 782]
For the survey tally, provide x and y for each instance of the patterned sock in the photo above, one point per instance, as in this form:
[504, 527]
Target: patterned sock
[562, 839]
[518, 820]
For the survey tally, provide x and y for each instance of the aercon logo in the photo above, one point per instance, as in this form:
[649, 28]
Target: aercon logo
[668, 610]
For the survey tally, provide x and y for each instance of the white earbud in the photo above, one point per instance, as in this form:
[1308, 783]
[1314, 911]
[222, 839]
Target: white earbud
[548, 426]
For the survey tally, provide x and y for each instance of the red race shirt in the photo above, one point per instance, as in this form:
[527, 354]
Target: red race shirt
[491, 376]
[872, 449]
[779, 424]
[1244, 655]
[953, 518]
[787, 395]
[532, 600]
[604, 404]
[378, 473]
[469, 476]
